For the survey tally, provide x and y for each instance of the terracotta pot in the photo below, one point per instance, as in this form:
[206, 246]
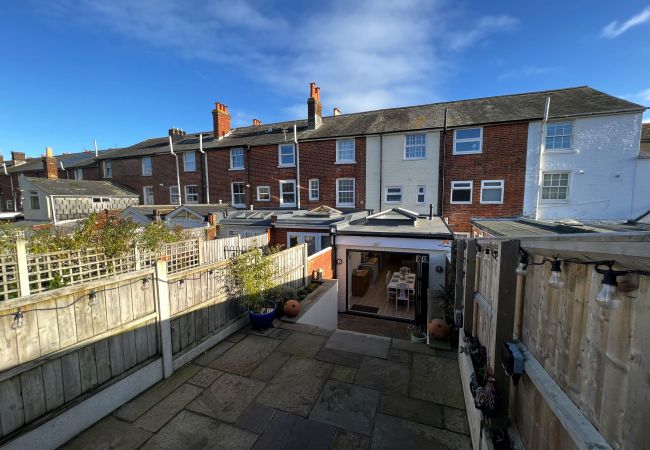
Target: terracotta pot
[438, 328]
[292, 308]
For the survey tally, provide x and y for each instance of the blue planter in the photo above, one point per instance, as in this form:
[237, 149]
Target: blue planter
[261, 321]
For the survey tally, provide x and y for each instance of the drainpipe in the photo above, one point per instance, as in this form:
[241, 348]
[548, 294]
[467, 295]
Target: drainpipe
[295, 141]
[381, 167]
[11, 183]
[443, 151]
[178, 176]
[67, 174]
[248, 176]
[205, 169]
[542, 149]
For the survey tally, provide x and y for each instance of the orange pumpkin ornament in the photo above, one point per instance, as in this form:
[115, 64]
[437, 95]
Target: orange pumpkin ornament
[292, 308]
[438, 328]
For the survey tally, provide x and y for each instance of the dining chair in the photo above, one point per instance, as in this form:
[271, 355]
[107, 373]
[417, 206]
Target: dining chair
[402, 295]
[389, 276]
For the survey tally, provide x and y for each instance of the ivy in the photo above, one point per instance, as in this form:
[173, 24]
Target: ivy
[157, 233]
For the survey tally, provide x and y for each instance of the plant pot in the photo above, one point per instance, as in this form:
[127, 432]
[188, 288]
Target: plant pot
[292, 308]
[415, 338]
[261, 321]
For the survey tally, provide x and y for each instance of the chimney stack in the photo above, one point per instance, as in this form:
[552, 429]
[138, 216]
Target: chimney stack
[177, 134]
[50, 166]
[337, 112]
[220, 120]
[212, 219]
[257, 122]
[18, 157]
[314, 107]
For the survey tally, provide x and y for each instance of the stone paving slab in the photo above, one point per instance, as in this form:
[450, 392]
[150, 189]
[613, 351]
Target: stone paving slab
[270, 366]
[289, 432]
[237, 336]
[302, 344]
[343, 374]
[401, 356]
[256, 418]
[362, 344]
[384, 375]
[339, 357]
[322, 332]
[412, 409]
[109, 433]
[344, 440]
[303, 327]
[394, 433]
[205, 377]
[280, 333]
[296, 386]
[244, 356]
[346, 406]
[167, 408]
[413, 347]
[455, 420]
[227, 397]
[437, 380]
[213, 353]
[139, 405]
[189, 430]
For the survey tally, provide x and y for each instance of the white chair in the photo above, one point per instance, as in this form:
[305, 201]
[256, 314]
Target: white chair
[402, 295]
[389, 275]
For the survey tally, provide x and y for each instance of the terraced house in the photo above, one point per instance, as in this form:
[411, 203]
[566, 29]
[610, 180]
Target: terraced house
[568, 153]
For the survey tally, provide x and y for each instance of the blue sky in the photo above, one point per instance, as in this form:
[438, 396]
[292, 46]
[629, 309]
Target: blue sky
[120, 71]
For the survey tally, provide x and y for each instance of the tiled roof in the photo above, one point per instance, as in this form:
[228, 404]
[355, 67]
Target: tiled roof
[69, 160]
[81, 188]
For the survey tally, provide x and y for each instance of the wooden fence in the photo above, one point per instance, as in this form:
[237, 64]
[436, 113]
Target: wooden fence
[23, 273]
[62, 346]
[586, 377]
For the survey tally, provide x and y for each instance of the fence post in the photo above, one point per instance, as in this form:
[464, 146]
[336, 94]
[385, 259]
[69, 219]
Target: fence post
[164, 316]
[460, 253]
[201, 255]
[505, 313]
[136, 255]
[23, 271]
[305, 268]
[468, 288]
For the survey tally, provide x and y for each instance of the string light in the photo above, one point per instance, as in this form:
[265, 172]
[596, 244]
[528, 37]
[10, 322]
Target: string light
[18, 320]
[145, 283]
[522, 268]
[555, 280]
[181, 283]
[92, 299]
[607, 297]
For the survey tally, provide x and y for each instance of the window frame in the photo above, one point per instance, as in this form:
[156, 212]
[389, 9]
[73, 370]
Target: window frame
[186, 194]
[293, 146]
[568, 187]
[570, 149]
[185, 161]
[34, 195]
[171, 196]
[473, 152]
[9, 204]
[407, 146]
[318, 239]
[144, 195]
[311, 189]
[143, 165]
[354, 152]
[401, 194]
[503, 191]
[243, 194]
[243, 162]
[424, 194]
[453, 188]
[259, 199]
[284, 204]
[79, 174]
[338, 191]
[107, 168]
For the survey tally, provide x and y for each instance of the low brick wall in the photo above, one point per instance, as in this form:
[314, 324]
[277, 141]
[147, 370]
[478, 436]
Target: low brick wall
[321, 260]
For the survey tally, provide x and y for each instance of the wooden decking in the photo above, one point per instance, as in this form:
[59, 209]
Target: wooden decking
[376, 296]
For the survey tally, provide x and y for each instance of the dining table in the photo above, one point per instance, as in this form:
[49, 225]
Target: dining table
[409, 279]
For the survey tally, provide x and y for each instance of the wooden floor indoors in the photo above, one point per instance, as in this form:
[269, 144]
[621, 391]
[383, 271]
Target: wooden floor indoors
[376, 296]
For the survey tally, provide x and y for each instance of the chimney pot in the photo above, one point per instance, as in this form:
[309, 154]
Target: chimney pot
[314, 108]
[50, 166]
[18, 156]
[337, 112]
[220, 120]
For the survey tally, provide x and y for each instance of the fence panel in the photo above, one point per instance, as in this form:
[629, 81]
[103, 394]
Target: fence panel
[224, 248]
[9, 283]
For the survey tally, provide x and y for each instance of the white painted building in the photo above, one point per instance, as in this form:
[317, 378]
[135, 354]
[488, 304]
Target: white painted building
[402, 171]
[589, 168]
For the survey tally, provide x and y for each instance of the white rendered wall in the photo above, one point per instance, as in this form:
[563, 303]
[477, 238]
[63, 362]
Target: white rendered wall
[398, 171]
[602, 167]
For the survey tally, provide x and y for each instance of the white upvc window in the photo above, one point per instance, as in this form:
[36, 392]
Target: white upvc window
[468, 140]
[492, 191]
[236, 158]
[263, 193]
[9, 204]
[559, 136]
[555, 186]
[461, 192]
[287, 193]
[415, 146]
[79, 174]
[421, 194]
[345, 192]
[237, 192]
[147, 195]
[315, 241]
[174, 197]
[393, 194]
[34, 200]
[107, 168]
[146, 166]
[345, 151]
[189, 161]
[191, 193]
[286, 155]
[314, 189]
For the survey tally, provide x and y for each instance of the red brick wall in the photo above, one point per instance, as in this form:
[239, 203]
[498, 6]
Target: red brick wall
[321, 260]
[261, 169]
[503, 158]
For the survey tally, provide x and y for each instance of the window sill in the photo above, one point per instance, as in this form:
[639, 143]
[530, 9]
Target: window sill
[344, 162]
[414, 159]
[467, 153]
[291, 166]
[189, 171]
[491, 203]
[460, 203]
[392, 202]
[260, 200]
[289, 205]
[147, 175]
[555, 202]
[313, 199]
[559, 152]
[347, 205]
[235, 169]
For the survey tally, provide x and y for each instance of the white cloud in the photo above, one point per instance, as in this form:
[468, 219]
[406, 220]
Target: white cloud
[364, 54]
[615, 29]
[526, 72]
[644, 95]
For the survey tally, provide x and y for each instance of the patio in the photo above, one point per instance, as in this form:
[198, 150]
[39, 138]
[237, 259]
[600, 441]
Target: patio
[297, 387]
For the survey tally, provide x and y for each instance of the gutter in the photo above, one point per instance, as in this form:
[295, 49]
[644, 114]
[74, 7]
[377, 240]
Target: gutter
[11, 181]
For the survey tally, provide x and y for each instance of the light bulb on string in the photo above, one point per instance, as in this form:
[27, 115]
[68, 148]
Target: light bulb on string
[555, 280]
[18, 320]
[522, 268]
[608, 297]
[92, 299]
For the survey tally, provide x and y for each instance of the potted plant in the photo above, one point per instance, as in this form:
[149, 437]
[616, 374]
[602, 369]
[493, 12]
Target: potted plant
[417, 333]
[253, 274]
[280, 295]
